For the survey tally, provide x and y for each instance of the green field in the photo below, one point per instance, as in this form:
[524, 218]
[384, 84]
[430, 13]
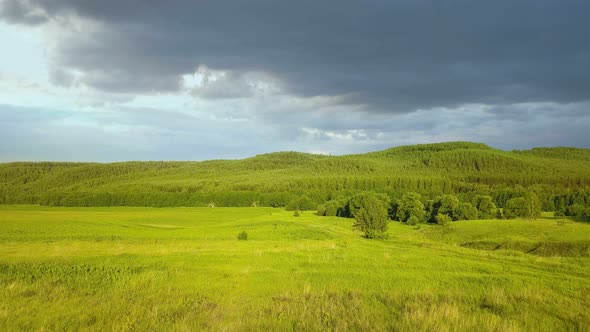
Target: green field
[184, 269]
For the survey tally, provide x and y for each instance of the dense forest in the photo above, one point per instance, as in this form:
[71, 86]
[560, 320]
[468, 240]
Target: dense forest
[559, 177]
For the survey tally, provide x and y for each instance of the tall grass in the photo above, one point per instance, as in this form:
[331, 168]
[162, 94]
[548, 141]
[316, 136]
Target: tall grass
[184, 269]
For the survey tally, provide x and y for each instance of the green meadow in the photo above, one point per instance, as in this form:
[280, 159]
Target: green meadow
[134, 268]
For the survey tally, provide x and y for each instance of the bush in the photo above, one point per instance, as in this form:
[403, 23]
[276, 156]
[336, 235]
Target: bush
[321, 210]
[575, 210]
[466, 211]
[446, 204]
[533, 206]
[442, 219]
[410, 206]
[242, 236]
[296, 213]
[371, 216]
[332, 208]
[303, 203]
[527, 206]
[486, 209]
[515, 207]
[413, 220]
[355, 203]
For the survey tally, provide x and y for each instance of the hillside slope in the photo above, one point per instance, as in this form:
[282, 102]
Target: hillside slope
[462, 168]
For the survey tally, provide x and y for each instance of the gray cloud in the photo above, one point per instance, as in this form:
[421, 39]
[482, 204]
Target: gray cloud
[390, 56]
[129, 133]
[317, 76]
[231, 85]
[24, 12]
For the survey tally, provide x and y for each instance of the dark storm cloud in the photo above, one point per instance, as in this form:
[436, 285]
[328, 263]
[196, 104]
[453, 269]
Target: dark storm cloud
[393, 56]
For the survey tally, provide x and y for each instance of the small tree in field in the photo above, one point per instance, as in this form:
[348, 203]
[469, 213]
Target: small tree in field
[331, 209]
[410, 206]
[533, 205]
[466, 211]
[321, 210]
[446, 204]
[527, 206]
[515, 207]
[486, 209]
[356, 202]
[371, 216]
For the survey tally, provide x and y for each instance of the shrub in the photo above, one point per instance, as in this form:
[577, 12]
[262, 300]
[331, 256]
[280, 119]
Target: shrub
[332, 208]
[321, 210]
[355, 203]
[242, 236]
[371, 216]
[466, 211]
[486, 209]
[446, 204]
[575, 210]
[296, 213]
[410, 206]
[527, 206]
[303, 203]
[515, 207]
[442, 219]
[533, 205]
[413, 220]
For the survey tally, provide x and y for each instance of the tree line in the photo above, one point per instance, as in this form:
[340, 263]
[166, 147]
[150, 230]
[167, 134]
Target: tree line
[559, 177]
[372, 211]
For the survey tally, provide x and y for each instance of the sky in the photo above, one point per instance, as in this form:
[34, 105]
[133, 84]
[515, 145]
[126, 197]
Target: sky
[114, 80]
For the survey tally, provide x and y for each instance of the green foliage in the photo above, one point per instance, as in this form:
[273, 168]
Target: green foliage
[357, 202]
[560, 177]
[303, 203]
[370, 213]
[410, 206]
[242, 236]
[442, 219]
[486, 209]
[332, 208]
[321, 210]
[533, 205]
[575, 210]
[527, 206]
[466, 211]
[447, 204]
[296, 213]
[413, 220]
[515, 207]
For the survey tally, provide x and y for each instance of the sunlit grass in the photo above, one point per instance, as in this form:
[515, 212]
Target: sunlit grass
[185, 269]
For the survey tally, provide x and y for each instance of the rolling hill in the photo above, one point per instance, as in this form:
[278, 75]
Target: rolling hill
[273, 179]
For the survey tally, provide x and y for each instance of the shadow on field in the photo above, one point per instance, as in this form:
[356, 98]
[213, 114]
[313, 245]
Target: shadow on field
[542, 248]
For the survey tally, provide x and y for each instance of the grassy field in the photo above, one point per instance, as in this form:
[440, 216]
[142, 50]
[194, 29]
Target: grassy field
[184, 269]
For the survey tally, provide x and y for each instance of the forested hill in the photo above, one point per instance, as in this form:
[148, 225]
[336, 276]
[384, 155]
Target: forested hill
[461, 168]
